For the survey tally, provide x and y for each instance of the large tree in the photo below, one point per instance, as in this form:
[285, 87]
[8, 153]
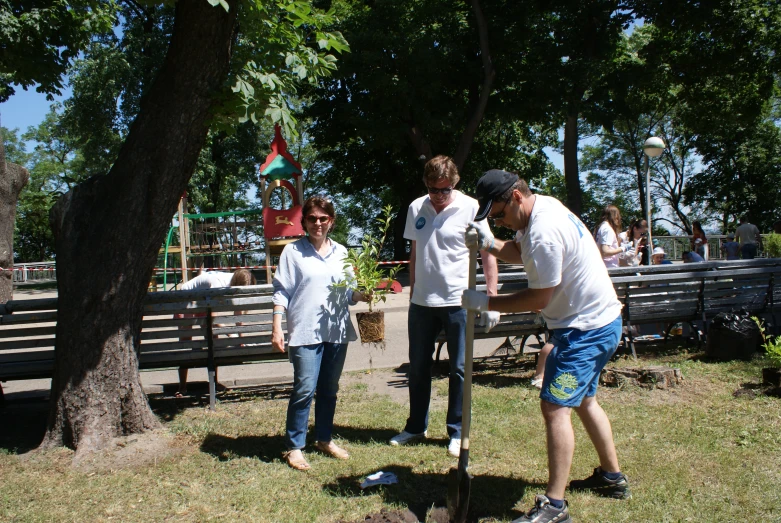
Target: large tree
[109, 228]
[424, 85]
[13, 178]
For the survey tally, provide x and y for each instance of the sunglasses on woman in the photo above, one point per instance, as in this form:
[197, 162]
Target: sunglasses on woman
[317, 219]
[446, 191]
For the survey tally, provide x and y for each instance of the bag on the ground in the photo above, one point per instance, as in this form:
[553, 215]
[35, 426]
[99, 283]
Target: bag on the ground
[732, 336]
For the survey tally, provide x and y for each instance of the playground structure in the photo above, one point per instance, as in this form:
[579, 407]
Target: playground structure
[229, 240]
[280, 226]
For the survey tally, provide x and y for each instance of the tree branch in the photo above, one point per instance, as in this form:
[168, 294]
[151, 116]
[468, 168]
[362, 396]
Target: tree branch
[489, 73]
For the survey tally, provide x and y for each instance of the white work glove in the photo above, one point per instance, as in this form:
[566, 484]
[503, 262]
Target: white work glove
[489, 319]
[474, 300]
[485, 238]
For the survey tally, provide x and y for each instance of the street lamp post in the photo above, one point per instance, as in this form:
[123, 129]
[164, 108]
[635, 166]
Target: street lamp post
[653, 147]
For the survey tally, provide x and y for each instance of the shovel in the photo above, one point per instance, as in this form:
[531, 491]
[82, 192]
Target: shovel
[459, 479]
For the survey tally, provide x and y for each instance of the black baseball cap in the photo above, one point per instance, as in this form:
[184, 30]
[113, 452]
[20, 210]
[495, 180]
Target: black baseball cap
[490, 186]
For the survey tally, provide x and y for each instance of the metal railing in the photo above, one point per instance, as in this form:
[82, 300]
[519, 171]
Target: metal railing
[37, 272]
[675, 246]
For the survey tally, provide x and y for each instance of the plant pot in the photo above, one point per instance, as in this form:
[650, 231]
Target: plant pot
[772, 377]
[371, 326]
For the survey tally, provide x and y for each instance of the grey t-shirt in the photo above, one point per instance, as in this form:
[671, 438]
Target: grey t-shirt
[747, 233]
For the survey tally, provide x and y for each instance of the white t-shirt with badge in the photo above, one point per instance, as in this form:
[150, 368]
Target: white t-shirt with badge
[441, 256]
[558, 251]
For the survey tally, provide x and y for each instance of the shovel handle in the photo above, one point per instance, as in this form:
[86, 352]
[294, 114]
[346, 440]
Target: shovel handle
[466, 408]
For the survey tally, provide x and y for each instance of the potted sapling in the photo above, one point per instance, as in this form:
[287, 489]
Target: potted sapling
[772, 375]
[363, 273]
[772, 345]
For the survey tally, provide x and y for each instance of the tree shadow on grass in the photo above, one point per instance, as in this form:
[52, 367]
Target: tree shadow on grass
[226, 448]
[491, 496]
[23, 426]
[378, 435]
[499, 374]
[167, 406]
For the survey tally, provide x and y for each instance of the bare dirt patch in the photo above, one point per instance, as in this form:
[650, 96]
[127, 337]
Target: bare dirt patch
[389, 382]
[436, 515]
[386, 516]
[136, 451]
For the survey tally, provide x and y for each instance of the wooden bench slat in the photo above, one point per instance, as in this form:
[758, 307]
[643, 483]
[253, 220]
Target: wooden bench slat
[28, 355]
[27, 343]
[21, 318]
[43, 330]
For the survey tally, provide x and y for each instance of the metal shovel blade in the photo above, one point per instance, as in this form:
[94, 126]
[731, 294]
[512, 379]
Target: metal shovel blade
[459, 488]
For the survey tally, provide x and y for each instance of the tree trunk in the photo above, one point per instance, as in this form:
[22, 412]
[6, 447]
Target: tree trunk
[109, 229]
[489, 73]
[571, 176]
[417, 136]
[13, 178]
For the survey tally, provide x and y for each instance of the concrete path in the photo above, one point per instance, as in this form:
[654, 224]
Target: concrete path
[359, 357]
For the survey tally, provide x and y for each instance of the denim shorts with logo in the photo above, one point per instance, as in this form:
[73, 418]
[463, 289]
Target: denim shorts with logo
[578, 357]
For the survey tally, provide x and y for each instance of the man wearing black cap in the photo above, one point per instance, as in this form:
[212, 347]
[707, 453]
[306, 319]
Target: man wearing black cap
[569, 283]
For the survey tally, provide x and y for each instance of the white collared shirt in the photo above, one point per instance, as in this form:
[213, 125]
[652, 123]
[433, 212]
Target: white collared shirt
[317, 311]
[441, 256]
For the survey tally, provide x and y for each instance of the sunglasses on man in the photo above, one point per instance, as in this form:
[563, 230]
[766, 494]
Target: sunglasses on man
[445, 191]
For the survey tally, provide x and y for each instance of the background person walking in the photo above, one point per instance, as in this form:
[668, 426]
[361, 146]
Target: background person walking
[749, 238]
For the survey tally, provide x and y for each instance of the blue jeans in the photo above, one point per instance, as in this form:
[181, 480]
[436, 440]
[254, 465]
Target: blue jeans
[749, 251]
[316, 369]
[423, 326]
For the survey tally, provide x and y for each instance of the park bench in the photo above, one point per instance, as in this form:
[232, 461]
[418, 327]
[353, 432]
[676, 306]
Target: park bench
[695, 293]
[659, 294]
[219, 337]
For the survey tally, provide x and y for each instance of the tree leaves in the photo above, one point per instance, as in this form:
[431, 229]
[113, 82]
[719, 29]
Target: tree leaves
[362, 268]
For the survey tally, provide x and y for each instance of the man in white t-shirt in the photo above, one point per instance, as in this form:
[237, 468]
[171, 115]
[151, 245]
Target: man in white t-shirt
[439, 269]
[569, 283]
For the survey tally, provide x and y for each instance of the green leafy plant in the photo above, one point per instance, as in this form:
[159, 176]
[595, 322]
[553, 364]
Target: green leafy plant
[772, 245]
[362, 266]
[773, 350]
[772, 344]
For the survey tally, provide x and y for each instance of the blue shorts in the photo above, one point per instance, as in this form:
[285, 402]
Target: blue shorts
[573, 367]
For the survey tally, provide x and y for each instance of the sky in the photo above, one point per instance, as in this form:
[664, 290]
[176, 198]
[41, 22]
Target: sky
[26, 108]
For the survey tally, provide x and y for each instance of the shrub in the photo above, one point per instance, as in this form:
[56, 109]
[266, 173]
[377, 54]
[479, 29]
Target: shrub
[773, 350]
[366, 263]
[772, 245]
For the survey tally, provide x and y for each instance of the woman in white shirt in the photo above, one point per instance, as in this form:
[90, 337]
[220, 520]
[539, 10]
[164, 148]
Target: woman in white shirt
[606, 236]
[306, 289]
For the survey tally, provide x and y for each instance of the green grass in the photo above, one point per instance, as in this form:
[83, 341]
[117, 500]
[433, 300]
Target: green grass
[695, 453]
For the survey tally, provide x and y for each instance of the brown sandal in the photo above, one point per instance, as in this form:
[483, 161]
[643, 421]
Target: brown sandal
[330, 448]
[295, 458]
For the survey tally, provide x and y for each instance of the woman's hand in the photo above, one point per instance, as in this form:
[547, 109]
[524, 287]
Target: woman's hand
[360, 296]
[278, 340]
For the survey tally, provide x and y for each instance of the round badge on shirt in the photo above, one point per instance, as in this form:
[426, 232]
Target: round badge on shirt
[420, 223]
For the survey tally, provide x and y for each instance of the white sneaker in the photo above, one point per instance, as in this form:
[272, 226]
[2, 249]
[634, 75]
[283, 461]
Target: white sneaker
[454, 449]
[405, 437]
